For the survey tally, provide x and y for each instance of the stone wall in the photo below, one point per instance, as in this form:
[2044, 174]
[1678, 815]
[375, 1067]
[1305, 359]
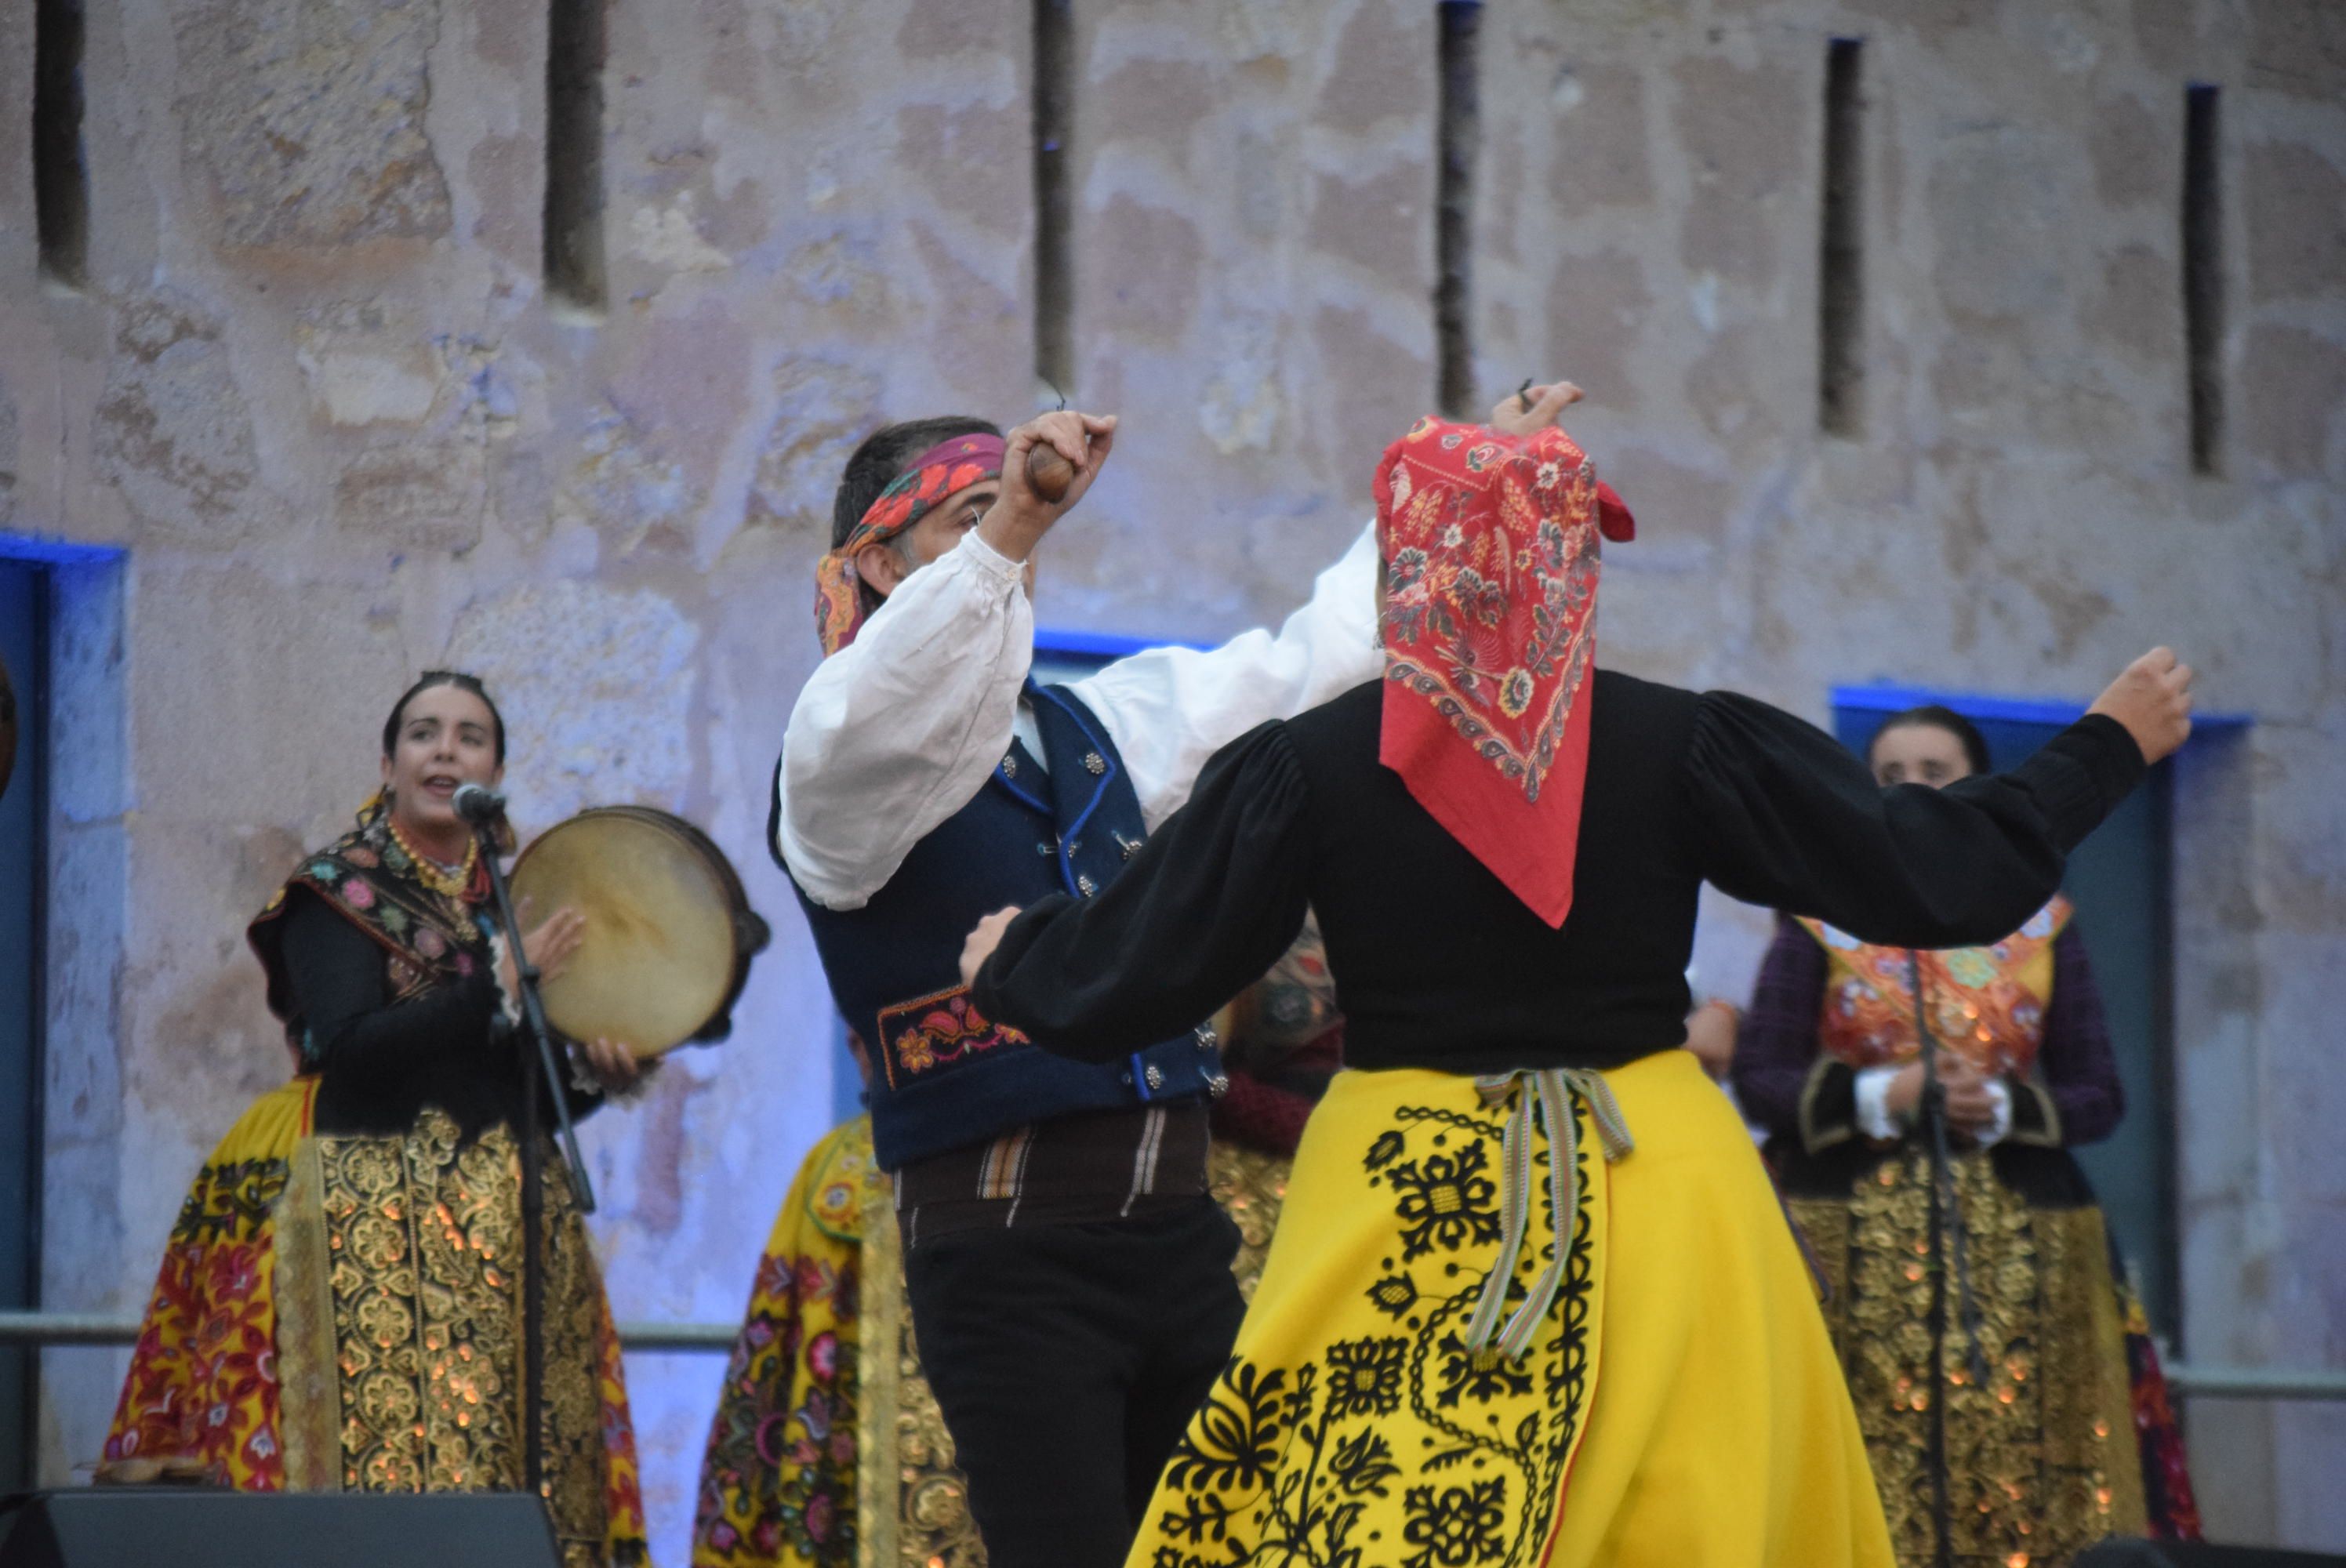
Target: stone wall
[313, 392]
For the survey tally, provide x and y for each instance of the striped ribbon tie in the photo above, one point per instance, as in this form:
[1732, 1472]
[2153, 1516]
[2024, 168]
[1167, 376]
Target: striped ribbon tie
[1545, 1094]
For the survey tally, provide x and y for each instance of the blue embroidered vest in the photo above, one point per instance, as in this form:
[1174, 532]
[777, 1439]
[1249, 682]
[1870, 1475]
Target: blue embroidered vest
[942, 1075]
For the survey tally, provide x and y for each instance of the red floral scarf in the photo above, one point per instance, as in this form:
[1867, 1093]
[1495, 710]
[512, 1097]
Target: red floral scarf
[1490, 545]
[936, 474]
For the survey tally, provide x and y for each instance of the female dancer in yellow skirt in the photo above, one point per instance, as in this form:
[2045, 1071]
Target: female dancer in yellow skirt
[1532, 1300]
[338, 1307]
[2069, 1438]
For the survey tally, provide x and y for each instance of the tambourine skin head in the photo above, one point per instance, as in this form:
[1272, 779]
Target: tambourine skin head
[661, 962]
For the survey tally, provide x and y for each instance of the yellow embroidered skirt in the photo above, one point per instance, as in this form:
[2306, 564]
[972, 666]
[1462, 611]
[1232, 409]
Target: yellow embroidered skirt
[2044, 1459]
[343, 1313]
[1678, 1404]
[778, 1481]
[826, 1370]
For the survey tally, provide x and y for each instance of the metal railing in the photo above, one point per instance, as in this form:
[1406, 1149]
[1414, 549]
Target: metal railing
[2183, 1377]
[104, 1329]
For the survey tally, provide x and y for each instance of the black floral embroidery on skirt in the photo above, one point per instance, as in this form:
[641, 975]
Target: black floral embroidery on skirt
[1364, 1377]
[1457, 1524]
[1391, 1452]
[1445, 1201]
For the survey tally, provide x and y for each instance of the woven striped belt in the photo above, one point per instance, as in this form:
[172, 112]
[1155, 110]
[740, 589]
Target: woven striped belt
[1544, 1093]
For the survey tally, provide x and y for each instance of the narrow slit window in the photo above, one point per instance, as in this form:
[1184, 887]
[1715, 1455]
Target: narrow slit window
[1458, 139]
[60, 177]
[1840, 277]
[1055, 261]
[576, 45]
[2203, 276]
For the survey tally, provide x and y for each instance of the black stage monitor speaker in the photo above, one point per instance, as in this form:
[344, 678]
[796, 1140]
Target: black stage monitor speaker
[187, 1527]
[2191, 1555]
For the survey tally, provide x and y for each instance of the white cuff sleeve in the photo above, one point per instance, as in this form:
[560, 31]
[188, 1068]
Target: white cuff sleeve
[508, 1006]
[897, 730]
[1874, 1117]
[1997, 1130]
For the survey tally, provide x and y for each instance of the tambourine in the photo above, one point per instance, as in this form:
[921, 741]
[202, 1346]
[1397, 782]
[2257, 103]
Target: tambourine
[669, 931]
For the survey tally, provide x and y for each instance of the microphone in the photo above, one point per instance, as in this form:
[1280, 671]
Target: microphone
[477, 803]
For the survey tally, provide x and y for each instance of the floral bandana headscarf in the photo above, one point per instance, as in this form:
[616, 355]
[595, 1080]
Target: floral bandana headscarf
[1490, 545]
[936, 474]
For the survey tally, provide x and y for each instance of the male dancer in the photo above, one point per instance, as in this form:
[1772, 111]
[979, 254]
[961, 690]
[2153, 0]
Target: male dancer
[1069, 1279]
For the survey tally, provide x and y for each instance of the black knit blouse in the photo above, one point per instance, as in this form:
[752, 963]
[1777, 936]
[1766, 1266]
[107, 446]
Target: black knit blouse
[1438, 966]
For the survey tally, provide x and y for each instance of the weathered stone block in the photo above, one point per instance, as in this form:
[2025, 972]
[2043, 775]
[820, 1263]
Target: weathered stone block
[2006, 378]
[975, 159]
[1380, 386]
[2139, 310]
[1598, 307]
[2002, 199]
[173, 434]
[313, 666]
[508, 175]
[822, 409]
[1686, 504]
[368, 363]
[1241, 407]
[1729, 388]
[1740, 127]
[596, 684]
[1379, 224]
[932, 29]
[1383, 67]
[669, 235]
[977, 340]
[2295, 389]
[310, 115]
[415, 496]
[624, 485]
[1600, 156]
[2298, 47]
[687, 380]
[204, 1045]
[2134, 152]
[2296, 204]
[1160, 102]
[1139, 271]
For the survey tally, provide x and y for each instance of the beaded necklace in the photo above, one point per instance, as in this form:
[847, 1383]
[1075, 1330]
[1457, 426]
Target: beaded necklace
[449, 883]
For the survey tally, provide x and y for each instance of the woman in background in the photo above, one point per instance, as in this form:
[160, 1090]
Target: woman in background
[2070, 1440]
[339, 1308]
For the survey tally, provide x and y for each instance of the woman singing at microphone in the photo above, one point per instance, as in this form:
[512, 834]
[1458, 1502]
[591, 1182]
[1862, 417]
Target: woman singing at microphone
[338, 1307]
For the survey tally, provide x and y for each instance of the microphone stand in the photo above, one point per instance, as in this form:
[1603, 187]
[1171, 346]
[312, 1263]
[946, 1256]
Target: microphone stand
[1946, 1221]
[539, 1074]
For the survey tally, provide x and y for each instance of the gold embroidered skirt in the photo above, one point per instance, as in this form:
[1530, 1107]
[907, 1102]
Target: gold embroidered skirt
[1678, 1404]
[344, 1313]
[826, 1370]
[2042, 1460]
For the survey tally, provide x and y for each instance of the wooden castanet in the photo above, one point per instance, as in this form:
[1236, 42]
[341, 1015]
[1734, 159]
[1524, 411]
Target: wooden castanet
[669, 931]
[1048, 472]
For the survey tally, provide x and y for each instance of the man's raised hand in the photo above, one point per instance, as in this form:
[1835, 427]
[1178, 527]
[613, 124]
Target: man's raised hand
[1017, 523]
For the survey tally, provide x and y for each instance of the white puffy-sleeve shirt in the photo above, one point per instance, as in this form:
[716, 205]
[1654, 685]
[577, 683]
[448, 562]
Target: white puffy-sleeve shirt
[898, 730]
